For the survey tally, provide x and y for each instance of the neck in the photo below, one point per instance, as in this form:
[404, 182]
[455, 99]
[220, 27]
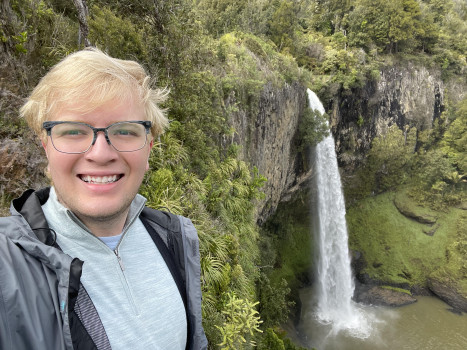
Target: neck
[104, 226]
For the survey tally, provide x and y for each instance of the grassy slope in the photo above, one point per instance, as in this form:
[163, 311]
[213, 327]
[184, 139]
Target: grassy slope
[289, 230]
[396, 249]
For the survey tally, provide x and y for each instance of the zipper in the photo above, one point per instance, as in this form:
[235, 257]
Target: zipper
[125, 284]
[119, 259]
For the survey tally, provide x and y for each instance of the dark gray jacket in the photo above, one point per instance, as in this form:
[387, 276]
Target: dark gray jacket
[43, 306]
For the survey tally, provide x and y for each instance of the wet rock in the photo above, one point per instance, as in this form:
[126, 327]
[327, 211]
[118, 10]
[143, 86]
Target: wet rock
[381, 296]
[448, 291]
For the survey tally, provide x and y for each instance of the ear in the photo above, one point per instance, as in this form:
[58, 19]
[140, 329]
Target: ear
[151, 144]
[44, 145]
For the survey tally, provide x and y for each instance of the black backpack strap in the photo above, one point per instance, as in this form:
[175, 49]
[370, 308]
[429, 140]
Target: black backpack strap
[169, 222]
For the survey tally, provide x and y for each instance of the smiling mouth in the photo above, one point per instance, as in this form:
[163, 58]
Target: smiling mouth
[100, 179]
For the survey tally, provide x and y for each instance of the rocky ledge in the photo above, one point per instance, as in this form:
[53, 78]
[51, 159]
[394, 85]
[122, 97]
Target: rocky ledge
[448, 291]
[414, 213]
[382, 296]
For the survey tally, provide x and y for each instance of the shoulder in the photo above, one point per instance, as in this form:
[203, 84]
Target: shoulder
[174, 229]
[9, 225]
[163, 219]
[189, 232]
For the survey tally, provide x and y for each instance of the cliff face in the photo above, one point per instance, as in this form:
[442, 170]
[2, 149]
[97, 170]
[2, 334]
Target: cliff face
[267, 140]
[406, 95]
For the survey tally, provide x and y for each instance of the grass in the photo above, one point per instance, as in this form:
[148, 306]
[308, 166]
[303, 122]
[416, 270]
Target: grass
[396, 249]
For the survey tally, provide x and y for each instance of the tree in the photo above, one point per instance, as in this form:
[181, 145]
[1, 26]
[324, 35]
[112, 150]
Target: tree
[83, 14]
[454, 141]
[388, 24]
[283, 24]
[6, 19]
[390, 159]
[329, 15]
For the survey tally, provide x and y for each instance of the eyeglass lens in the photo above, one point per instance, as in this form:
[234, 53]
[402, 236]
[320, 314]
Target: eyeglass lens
[77, 138]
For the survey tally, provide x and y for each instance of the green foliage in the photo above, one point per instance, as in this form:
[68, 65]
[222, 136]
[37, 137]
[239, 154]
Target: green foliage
[286, 261]
[274, 303]
[390, 157]
[40, 38]
[242, 321]
[454, 272]
[432, 178]
[389, 163]
[232, 189]
[388, 25]
[454, 141]
[217, 57]
[313, 127]
[117, 36]
[221, 225]
[283, 23]
[20, 40]
[439, 169]
[273, 341]
[434, 173]
[219, 17]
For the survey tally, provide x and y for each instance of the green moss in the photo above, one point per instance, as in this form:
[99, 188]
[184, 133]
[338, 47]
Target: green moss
[395, 248]
[455, 269]
[288, 232]
[409, 207]
[400, 290]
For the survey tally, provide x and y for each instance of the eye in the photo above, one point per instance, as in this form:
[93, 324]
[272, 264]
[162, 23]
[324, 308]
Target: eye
[124, 132]
[71, 130]
[127, 130]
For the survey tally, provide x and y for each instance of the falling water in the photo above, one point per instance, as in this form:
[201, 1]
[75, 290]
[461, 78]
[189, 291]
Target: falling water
[334, 284]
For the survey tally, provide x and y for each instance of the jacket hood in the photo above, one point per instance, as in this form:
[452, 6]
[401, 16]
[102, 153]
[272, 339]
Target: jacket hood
[28, 205]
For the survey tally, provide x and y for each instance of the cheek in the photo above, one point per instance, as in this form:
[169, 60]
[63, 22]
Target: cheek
[59, 164]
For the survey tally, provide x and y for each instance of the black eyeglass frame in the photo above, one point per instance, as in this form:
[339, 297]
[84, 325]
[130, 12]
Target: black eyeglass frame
[50, 124]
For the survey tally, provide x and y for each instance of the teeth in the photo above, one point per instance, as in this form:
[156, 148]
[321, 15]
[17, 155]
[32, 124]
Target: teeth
[99, 179]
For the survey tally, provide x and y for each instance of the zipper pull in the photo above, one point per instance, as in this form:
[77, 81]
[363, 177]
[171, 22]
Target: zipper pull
[120, 262]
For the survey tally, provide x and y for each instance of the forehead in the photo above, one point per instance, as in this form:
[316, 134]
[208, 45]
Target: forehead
[108, 112]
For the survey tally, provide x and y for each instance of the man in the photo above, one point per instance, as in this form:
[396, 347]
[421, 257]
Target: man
[84, 264]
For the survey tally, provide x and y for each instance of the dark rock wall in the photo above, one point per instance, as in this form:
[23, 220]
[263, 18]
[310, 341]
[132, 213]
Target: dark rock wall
[267, 141]
[407, 95]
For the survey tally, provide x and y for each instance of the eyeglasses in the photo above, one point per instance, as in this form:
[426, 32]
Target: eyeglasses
[76, 137]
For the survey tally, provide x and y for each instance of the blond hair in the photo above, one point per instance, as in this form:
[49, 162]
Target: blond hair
[96, 78]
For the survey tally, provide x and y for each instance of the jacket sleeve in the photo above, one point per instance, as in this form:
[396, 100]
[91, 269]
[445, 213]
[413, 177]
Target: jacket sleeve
[193, 281]
[28, 316]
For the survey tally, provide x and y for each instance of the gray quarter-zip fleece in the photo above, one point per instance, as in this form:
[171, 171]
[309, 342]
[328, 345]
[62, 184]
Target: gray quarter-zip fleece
[132, 289]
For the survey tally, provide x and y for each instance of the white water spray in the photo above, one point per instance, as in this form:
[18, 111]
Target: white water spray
[335, 286]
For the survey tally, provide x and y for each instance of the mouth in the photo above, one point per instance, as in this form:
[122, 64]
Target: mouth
[101, 180]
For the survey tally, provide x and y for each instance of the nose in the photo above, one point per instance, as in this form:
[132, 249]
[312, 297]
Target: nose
[101, 151]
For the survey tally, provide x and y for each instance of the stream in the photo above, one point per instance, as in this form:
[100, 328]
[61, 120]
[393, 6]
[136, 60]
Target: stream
[425, 325]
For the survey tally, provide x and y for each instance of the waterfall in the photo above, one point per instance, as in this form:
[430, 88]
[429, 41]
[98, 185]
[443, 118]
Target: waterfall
[334, 281]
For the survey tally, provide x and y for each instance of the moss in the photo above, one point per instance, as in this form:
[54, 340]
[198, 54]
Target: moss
[289, 236]
[395, 248]
[455, 268]
[409, 208]
[400, 290]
